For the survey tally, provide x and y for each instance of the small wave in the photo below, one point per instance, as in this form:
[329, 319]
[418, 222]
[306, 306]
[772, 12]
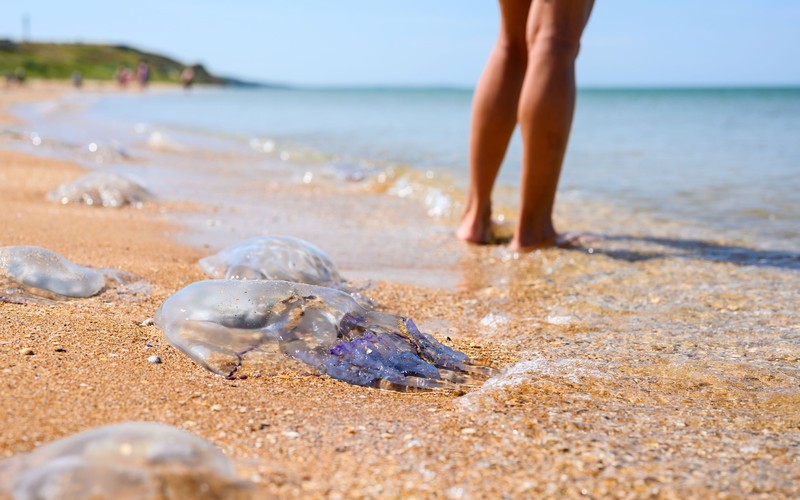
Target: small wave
[570, 371]
[160, 141]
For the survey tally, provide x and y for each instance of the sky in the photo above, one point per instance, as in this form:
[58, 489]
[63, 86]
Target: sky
[430, 42]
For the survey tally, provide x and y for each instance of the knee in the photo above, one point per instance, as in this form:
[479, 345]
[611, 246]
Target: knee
[513, 48]
[554, 45]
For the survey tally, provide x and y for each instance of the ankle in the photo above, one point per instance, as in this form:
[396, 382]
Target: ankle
[534, 235]
[476, 223]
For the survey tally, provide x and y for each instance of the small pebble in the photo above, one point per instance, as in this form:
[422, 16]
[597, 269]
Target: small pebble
[147, 322]
[26, 351]
[154, 359]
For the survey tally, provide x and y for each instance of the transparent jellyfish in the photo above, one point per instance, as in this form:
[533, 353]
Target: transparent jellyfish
[278, 258]
[42, 269]
[225, 324]
[101, 189]
[128, 460]
[30, 272]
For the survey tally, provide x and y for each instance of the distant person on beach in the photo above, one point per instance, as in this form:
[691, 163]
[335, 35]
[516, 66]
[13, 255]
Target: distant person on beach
[143, 74]
[530, 79]
[77, 79]
[123, 75]
[19, 75]
[187, 77]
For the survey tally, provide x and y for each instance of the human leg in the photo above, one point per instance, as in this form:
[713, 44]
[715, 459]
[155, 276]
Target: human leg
[546, 107]
[494, 116]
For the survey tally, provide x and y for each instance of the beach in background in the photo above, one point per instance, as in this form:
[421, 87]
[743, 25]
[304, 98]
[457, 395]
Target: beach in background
[661, 361]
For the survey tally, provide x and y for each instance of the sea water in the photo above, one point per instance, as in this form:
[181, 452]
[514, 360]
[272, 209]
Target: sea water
[725, 159]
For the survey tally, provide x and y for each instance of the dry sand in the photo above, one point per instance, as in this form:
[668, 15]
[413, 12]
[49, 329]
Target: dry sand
[669, 377]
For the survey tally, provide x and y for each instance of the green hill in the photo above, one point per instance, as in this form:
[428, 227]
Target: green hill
[94, 61]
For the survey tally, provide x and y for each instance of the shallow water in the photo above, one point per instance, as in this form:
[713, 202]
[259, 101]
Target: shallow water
[721, 159]
[659, 367]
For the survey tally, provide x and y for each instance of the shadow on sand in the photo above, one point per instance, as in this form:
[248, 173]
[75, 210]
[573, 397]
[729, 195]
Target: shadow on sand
[697, 249]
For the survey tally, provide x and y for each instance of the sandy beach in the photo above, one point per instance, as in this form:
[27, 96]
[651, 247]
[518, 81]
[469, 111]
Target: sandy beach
[648, 367]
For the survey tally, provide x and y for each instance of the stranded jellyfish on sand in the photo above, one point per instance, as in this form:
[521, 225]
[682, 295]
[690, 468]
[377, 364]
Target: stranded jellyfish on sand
[101, 189]
[129, 460]
[28, 272]
[224, 324]
[278, 258]
[41, 269]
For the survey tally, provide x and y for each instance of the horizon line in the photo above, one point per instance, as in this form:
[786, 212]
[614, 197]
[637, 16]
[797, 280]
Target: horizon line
[468, 88]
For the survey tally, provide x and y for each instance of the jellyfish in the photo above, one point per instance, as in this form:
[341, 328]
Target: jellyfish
[278, 258]
[42, 269]
[223, 324]
[101, 189]
[29, 272]
[127, 460]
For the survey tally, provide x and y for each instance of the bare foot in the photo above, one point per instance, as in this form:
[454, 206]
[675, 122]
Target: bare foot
[475, 227]
[573, 239]
[499, 233]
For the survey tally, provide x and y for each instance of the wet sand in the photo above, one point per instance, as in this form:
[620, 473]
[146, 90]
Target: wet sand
[664, 363]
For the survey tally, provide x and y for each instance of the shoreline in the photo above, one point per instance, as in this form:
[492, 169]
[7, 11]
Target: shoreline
[669, 376]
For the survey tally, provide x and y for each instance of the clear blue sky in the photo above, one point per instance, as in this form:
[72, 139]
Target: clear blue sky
[441, 42]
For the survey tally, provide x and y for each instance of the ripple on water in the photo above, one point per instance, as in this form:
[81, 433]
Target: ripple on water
[526, 373]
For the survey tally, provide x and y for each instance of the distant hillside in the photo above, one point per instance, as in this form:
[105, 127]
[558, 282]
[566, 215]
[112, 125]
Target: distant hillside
[94, 61]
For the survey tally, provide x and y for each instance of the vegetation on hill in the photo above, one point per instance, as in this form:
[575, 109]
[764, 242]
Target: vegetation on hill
[93, 61]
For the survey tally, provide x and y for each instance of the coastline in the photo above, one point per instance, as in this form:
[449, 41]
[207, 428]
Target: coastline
[658, 376]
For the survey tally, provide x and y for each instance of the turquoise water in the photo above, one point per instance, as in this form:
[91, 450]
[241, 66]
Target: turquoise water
[424, 128]
[726, 159]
